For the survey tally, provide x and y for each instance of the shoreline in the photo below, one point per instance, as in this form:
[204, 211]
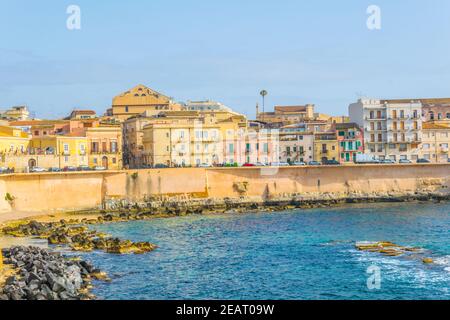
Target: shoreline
[166, 207]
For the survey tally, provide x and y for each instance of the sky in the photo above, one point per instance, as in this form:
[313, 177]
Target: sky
[318, 52]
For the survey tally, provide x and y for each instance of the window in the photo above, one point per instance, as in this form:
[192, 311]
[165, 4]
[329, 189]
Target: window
[66, 159]
[266, 148]
[113, 146]
[231, 148]
[126, 109]
[66, 148]
[95, 146]
[113, 160]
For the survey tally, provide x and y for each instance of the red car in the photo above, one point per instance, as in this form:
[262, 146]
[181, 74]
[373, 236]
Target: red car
[248, 165]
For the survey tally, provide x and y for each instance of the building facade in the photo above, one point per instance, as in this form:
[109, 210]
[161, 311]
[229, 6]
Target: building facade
[392, 130]
[325, 147]
[435, 143]
[296, 144]
[350, 141]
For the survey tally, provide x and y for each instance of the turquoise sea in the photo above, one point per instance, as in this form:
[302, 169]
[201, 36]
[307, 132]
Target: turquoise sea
[302, 254]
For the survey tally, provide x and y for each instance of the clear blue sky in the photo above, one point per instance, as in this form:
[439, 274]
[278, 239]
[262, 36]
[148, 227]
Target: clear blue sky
[317, 52]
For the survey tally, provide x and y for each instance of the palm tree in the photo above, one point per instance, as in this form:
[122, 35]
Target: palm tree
[263, 94]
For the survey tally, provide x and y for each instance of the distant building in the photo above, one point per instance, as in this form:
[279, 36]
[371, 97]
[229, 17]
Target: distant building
[15, 113]
[285, 115]
[432, 109]
[138, 100]
[206, 105]
[392, 129]
[82, 115]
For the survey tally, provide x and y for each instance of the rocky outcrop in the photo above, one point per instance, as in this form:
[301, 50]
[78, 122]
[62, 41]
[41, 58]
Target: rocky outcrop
[392, 250]
[45, 275]
[78, 237]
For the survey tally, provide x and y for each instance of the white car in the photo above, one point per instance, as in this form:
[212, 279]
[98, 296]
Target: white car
[204, 165]
[299, 163]
[99, 168]
[280, 164]
[38, 169]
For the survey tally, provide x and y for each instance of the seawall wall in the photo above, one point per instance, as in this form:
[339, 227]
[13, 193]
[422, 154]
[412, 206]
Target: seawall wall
[49, 192]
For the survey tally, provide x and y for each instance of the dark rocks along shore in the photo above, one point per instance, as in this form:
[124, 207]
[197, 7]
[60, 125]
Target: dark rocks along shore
[41, 274]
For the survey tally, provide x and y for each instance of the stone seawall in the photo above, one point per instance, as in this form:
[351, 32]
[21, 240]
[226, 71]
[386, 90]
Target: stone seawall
[50, 192]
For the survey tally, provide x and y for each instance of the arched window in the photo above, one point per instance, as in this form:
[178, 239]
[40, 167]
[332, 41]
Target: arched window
[431, 114]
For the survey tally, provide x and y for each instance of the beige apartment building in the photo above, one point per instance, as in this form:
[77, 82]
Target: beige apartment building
[228, 123]
[435, 143]
[296, 144]
[185, 142]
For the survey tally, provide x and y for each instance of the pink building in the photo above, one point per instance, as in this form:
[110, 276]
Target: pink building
[350, 140]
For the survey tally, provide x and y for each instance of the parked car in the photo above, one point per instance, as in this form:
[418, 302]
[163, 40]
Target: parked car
[403, 161]
[99, 168]
[38, 169]
[280, 164]
[423, 160]
[314, 163]
[331, 163]
[248, 165]
[228, 165]
[84, 168]
[160, 166]
[387, 161]
[366, 159]
[70, 168]
[260, 164]
[204, 165]
[54, 169]
[5, 170]
[298, 163]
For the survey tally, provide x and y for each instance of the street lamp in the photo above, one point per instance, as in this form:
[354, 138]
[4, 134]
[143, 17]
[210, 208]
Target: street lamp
[263, 94]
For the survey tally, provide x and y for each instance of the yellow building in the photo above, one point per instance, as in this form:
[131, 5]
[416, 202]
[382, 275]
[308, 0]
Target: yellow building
[105, 146]
[141, 99]
[192, 138]
[435, 142]
[68, 150]
[326, 147]
[13, 140]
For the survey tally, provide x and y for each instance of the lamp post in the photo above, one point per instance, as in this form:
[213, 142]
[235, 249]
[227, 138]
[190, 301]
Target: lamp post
[263, 94]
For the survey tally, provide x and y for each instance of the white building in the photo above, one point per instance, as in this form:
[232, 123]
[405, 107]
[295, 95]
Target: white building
[206, 105]
[392, 130]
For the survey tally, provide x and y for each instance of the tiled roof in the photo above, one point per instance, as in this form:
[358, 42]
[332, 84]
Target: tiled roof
[290, 108]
